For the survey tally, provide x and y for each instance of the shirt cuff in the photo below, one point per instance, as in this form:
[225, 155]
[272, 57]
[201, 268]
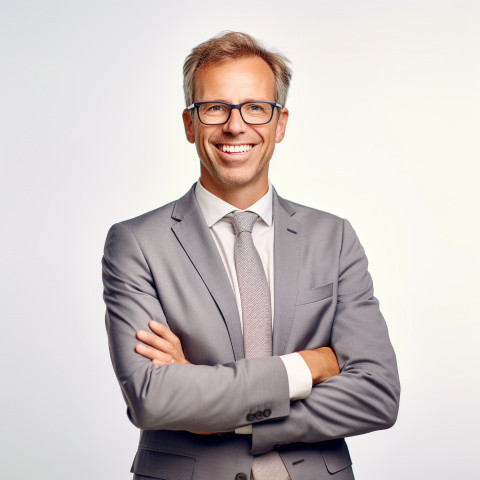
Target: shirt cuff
[246, 430]
[299, 376]
[299, 382]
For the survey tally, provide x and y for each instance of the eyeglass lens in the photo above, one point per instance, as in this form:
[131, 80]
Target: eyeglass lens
[254, 113]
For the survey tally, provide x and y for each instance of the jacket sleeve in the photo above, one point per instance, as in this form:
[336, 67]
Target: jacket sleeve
[365, 396]
[177, 397]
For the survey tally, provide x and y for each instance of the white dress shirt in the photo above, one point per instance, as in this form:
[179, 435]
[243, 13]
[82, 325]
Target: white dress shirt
[214, 210]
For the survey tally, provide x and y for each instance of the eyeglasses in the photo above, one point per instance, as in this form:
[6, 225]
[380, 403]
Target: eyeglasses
[252, 112]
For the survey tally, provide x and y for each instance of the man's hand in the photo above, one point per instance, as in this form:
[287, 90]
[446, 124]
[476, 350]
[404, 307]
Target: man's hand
[162, 346]
[322, 363]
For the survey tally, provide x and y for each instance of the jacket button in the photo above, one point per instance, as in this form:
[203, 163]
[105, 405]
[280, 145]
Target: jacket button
[250, 417]
[240, 476]
[267, 412]
[259, 415]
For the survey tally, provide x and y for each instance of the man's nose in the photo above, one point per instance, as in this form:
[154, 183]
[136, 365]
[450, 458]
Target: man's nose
[235, 124]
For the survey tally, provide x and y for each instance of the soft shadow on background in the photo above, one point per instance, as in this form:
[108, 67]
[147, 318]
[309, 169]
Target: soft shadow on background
[384, 119]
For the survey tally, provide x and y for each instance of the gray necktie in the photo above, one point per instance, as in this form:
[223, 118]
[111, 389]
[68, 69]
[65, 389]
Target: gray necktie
[257, 320]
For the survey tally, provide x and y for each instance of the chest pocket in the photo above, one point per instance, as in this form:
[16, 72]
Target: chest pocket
[312, 295]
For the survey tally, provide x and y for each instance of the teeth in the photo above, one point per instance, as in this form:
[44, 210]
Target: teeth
[236, 148]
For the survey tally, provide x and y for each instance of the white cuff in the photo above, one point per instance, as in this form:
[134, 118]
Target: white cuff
[299, 376]
[299, 383]
[246, 430]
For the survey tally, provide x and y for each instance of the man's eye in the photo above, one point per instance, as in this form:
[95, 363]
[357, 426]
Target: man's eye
[214, 108]
[255, 108]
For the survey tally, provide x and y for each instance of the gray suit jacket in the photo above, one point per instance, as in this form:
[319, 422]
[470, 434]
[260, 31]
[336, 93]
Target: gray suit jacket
[164, 265]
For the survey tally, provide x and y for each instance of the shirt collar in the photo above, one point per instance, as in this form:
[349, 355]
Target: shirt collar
[214, 208]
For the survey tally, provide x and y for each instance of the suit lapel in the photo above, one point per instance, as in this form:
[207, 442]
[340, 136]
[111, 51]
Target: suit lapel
[287, 248]
[193, 234]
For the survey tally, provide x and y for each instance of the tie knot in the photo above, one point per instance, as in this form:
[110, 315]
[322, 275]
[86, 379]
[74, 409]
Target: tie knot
[242, 221]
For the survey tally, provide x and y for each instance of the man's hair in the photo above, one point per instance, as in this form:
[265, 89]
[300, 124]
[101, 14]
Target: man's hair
[233, 46]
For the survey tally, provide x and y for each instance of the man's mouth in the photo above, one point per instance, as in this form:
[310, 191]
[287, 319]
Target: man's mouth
[238, 148]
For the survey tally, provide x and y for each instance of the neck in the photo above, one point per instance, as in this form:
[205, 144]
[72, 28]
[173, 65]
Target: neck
[240, 196]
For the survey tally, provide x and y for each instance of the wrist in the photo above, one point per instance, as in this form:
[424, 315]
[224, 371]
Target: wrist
[309, 357]
[322, 363]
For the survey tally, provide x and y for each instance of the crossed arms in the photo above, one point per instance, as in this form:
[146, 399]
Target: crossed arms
[163, 347]
[219, 396]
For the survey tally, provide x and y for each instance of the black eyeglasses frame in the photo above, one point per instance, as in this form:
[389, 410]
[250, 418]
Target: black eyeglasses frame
[231, 106]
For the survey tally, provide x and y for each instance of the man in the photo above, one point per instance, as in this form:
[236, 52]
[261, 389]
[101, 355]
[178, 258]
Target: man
[202, 282]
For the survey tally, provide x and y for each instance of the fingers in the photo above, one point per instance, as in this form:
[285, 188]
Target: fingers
[156, 342]
[164, 332]
[158, 357]
[169, 342]
[161, 345]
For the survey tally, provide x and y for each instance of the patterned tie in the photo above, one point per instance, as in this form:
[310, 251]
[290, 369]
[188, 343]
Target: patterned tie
[257, 320]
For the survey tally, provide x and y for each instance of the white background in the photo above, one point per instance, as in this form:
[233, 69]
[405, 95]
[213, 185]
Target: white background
[383, 131]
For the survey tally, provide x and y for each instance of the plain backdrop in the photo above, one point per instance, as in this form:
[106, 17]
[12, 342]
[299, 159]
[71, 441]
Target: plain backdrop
[383, 130]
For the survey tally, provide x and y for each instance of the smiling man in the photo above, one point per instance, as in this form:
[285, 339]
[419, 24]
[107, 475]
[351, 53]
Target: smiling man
[242, 327]
[235, 154]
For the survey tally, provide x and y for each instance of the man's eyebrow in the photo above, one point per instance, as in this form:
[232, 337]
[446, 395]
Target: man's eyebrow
[213, 101]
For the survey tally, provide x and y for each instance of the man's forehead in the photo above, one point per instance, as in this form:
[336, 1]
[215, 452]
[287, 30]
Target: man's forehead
[244, 74]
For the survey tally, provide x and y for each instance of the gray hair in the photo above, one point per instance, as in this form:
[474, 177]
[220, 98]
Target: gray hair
[232, 46]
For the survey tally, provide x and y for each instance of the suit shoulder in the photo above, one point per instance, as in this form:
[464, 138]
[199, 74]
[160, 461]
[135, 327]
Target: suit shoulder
[153, 224]
[162, 217]
[154, 217]
[317, 224]
[304, 213]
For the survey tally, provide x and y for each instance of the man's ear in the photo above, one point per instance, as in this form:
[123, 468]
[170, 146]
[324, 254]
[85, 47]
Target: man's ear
[189, 127]
[281, 125]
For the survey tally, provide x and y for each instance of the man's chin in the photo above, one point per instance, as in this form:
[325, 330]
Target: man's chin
[226, 178]
[241, 176]
[238, 180]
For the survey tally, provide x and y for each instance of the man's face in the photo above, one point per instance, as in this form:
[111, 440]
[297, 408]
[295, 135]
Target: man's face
[235, 82]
